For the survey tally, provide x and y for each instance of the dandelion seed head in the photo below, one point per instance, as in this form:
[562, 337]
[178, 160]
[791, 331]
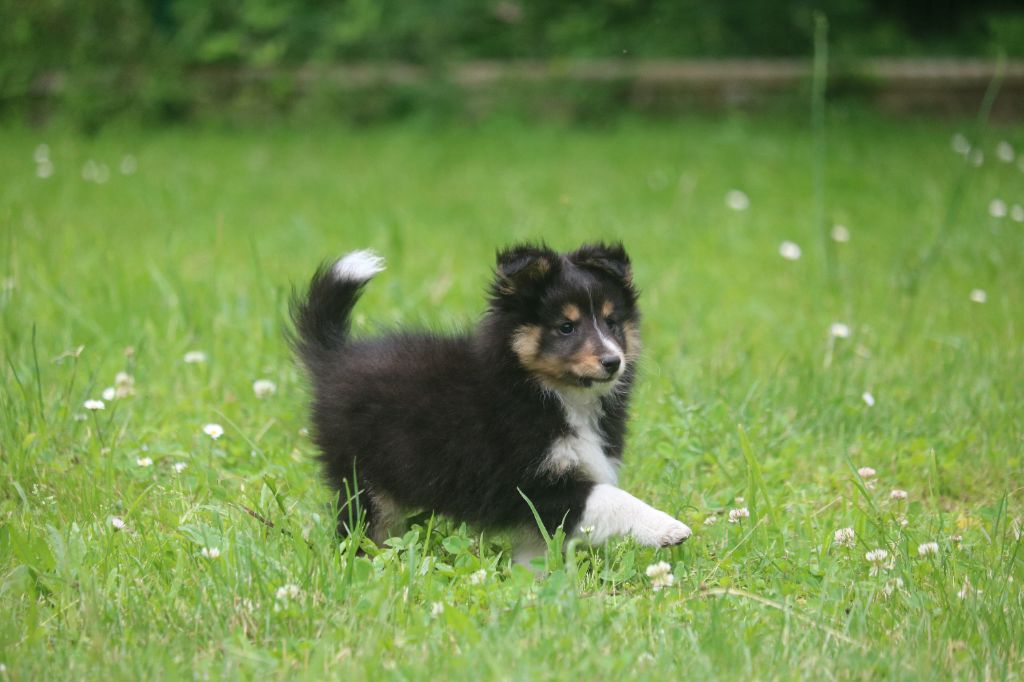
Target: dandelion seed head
[94, 405]
[214, 431]
[263, 388]
[737, 200]
[790, 250]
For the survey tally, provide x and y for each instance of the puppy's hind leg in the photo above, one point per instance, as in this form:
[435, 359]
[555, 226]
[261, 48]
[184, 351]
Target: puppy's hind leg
[377, 513]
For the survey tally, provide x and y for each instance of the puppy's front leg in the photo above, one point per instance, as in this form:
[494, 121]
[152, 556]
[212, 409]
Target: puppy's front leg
[611, 511]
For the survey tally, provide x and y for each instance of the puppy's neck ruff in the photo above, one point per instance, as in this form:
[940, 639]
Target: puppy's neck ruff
[583, 447]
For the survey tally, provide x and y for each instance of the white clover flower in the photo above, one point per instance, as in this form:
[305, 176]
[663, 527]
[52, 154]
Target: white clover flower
[898, 494]
[660, 575]
[711, 520]
[840, 234]
[1017, 212]
[926, 548]
[956, 540]
[44, 169]
[997, 208]
[878, 560]
[866, 472]
[960, 144]
[478, 577]
[737, 515]
[41, 153]
[1004, 152]
[124, 385]
[94, 405]
[587, 530]
[790, 250]
[978, 295]
[214, 431]
[737, 200]
[903, 521]
[976, 157]
[868, 399]
[892, 586]
[289, 591]
[128, 164]
[263, 387]
[436, 609]
[839, 330]
[117, 522]
[195, 357]
[109, 393]
[845, 537]
[179, 467]
[144, 461]
[210, 552]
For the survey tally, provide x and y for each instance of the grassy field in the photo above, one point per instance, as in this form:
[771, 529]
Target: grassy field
[127, 546]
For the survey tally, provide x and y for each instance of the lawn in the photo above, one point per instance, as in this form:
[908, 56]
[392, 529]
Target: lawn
[134, 545]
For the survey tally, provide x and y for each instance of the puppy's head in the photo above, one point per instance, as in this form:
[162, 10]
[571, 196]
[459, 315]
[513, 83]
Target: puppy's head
[575, 313]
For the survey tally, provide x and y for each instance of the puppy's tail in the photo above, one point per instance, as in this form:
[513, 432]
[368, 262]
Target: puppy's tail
[321, 317]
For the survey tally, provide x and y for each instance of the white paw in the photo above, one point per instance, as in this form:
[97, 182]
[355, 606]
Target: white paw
[674, 533]
[661, 530]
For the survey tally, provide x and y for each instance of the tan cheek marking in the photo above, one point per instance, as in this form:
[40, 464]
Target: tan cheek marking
[633, 344]
[526, 342]
[608, 308]
[571, 312]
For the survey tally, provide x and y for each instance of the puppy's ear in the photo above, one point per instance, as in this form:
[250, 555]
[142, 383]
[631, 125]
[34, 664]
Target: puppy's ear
[610, 259]
[522, 268]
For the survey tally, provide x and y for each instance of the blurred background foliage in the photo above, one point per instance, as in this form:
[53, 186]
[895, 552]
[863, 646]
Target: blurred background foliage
[109, 57]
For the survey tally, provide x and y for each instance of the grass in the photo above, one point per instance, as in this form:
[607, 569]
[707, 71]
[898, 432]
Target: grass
[743, 394]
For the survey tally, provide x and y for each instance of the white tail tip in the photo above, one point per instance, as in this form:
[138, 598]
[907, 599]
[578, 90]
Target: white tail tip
[358, 266]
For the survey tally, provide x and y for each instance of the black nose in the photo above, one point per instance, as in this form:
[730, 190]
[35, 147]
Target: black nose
[611, 363]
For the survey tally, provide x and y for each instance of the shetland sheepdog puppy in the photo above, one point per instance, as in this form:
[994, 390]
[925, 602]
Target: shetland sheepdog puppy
[532, 403]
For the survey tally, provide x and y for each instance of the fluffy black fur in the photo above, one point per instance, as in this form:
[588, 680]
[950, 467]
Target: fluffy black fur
[458, 424]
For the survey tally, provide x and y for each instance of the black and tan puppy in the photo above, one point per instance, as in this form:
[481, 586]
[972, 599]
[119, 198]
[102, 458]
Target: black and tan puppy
[534, 400]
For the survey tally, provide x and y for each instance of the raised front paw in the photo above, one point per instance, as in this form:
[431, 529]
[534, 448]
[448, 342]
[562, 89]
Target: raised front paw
[658, 529]
[674, 533]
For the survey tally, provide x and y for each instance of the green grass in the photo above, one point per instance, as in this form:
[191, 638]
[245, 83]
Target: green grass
[740, 396]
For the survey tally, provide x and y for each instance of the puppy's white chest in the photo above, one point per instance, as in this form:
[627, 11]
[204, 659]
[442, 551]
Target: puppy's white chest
[584, 448]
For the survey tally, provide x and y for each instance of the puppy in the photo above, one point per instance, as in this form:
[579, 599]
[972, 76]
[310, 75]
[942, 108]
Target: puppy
[533, 402]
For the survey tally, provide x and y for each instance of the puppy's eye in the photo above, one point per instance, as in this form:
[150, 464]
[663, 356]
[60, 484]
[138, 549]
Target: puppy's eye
[566, 328]
[611, 322]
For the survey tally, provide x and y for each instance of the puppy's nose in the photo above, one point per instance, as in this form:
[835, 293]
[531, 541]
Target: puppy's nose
[611, 363]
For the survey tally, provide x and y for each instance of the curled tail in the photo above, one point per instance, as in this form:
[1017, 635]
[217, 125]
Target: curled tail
[321, 317]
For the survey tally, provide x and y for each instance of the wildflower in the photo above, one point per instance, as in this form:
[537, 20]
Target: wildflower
[845, 537]
[214, 431]
[128, 164]
[866, 472]
[868, 399]
[660, 575]
[117, 522]
[737, 515]
[436, 609]
[976, 157]
[891, 587]
[210, 552]
[478, 577]
[195, 357]
[878, 560]
[41, 153]
[711, 520]
[840, 234]
[902, 520]
[926, 548]
[898, 494]
[93, 405]
[960, 144]
[263, 387]
[587, 530]
[44, 169]
[124, 385]
[789, 250]
[997, 208]
[839, 330]
[179, 467]
[1017, 212]
[737, 200]
[288, 591]
[956, 540]
[144, 461]
[978, 295]
[109, 393]
[1004, 152]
